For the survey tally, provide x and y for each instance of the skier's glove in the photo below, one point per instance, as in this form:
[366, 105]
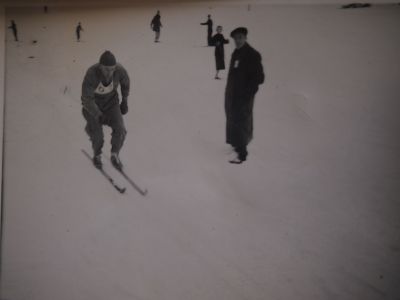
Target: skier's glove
[124, 106]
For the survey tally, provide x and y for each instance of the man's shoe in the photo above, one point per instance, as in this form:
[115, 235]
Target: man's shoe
[238, 158]
[236, 161]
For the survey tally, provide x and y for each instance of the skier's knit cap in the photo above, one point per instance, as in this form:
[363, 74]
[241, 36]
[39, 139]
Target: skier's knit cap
[108, 59]
[239, 30]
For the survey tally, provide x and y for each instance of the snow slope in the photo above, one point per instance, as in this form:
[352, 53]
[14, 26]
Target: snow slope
[313, 214]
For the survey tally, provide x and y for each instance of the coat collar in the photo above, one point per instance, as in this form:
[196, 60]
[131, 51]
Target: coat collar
[244, 48]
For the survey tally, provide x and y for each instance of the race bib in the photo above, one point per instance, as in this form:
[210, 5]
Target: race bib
[103, 90]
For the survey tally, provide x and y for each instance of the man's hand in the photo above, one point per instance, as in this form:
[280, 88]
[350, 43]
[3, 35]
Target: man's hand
[124, 106]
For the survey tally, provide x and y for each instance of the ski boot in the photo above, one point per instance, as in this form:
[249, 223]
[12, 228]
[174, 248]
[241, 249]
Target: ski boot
[116, 162]
[97, 161]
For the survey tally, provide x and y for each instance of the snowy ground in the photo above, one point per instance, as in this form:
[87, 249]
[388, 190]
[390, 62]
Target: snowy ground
[313, 214]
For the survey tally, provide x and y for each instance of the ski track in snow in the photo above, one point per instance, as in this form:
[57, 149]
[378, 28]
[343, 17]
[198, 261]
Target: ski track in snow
[313, 214]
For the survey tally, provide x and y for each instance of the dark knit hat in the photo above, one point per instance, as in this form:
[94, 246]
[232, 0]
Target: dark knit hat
[108, 59]
[239, 30]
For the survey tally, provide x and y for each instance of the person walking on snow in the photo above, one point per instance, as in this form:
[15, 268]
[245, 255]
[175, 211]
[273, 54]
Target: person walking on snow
[245, 75]
[156, 26]
[78, 31]
[13, 27]
[218, 40]
[101, 105]
[209, 24]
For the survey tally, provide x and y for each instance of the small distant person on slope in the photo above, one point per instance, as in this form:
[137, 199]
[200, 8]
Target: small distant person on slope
[245, 75]
[156, 26]
[209, 24]
[101, 106]
[13, 27]
[218, 40]
[78, 30]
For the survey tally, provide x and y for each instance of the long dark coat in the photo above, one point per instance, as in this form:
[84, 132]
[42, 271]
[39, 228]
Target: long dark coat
[218, 41]
[78, 31]
[245, 75]
[156, 23]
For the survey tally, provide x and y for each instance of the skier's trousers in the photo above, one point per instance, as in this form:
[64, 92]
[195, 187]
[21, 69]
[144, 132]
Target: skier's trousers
[112, 117]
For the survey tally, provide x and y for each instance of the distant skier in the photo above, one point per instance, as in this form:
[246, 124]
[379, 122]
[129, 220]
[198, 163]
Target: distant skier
[156, 26]
[218, 40]
[14, 29]
[245, 75]
[78, 30]
[101, 105]
[209, 24]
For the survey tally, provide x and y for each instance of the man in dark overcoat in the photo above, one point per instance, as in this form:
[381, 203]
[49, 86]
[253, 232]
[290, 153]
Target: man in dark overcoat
[245, 75]
[156, 26]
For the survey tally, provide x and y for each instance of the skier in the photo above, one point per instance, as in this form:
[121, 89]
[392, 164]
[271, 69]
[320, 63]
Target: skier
[156, 26]
[245, 75]
[101, 105]
[218, 40]
[209, 24]
[78, 31]
[13, 27]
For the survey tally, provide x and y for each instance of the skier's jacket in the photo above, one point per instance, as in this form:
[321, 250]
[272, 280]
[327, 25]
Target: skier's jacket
[97, 97]
[245, 75]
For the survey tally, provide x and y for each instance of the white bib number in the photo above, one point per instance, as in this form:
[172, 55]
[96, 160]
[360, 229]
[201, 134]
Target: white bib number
[103, 90]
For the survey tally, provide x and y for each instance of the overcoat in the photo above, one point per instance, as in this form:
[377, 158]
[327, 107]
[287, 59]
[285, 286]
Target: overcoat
[218, 41]
[245, 75]
[156, 23]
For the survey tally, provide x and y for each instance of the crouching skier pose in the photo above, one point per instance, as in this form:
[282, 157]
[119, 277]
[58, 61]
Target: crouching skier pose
[245, 75]
[101, 105]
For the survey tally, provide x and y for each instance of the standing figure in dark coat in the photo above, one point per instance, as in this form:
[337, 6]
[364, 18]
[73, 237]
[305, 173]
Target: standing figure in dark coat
[13, 27]
[78, 31]
[245, 75]
[209, 24]
[219, 41]
[156, 26]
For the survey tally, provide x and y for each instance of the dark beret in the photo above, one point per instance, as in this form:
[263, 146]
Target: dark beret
[239, 30]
